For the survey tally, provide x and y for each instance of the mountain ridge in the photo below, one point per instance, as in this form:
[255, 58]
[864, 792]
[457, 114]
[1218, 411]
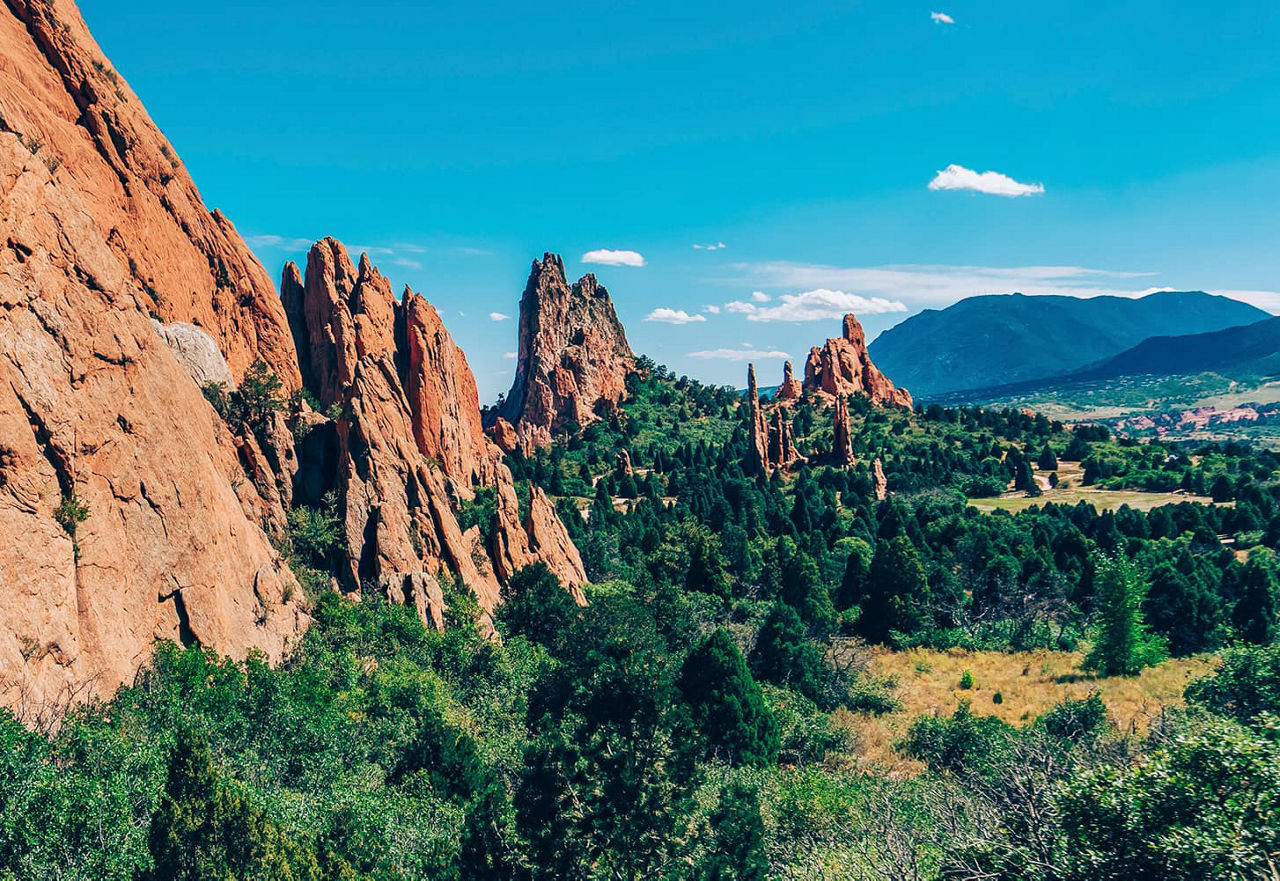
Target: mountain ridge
[999, 339]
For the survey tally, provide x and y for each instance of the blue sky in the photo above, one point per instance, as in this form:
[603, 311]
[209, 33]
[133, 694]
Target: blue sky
[457, 142]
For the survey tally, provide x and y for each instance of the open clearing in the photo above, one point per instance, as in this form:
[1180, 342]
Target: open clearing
[927, 682]
[1102, 499]
[1070, 492]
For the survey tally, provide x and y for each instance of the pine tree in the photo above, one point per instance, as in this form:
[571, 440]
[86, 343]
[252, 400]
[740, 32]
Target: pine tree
[206, 829]
[897, 593]
[1124, 646]
[726, 704]
[536, 606]
[1255, 612]
[784, 656]
[804, 590]
[1047, 461]
[739, 851]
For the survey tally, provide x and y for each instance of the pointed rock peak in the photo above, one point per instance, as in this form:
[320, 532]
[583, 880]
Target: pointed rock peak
[551, 263]
[790, 390]
[853, 331]
[573, 355]
[751, 382]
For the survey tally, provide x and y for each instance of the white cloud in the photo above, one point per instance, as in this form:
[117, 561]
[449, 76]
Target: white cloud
[371, 250]
[281, 243]
[498, 316]
[714, 246]
[664, 315]
[607, 257]
[957, 177]
[406, 262]
[817, 305]
[760, 296]
[1268, 301]
[941, 18]
[744, 354]
[711, 310]
[933, 285]
[511, 355]
[922, 285]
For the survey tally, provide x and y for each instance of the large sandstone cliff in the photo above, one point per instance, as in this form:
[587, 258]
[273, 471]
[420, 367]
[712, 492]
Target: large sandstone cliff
[129, 510]
[124, 513]
[573, 356]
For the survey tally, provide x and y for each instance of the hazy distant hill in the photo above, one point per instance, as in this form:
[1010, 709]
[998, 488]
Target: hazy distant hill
[1253, 348]
[999, 339]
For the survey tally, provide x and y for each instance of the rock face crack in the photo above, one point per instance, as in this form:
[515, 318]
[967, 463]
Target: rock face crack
[53, 454]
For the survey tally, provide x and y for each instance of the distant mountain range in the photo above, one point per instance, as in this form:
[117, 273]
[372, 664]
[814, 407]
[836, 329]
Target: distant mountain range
[1004, 339]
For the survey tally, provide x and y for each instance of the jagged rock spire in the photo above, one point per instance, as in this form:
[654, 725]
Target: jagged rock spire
[772, 442]
[841, 433]
[410, 441]
[572, 356]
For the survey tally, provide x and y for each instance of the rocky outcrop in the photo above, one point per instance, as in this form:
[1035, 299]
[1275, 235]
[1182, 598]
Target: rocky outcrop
[771, 441]
[791, 388]
[410, 442]
[197, 352]
[841, 434]
[843, 367]
[573, 355]
[124, 513]
[757, 427]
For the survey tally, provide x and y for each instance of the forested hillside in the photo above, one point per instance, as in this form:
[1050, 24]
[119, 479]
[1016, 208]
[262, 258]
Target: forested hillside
[700, 716]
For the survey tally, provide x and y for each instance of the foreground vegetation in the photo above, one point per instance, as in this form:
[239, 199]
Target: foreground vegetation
[774, 677]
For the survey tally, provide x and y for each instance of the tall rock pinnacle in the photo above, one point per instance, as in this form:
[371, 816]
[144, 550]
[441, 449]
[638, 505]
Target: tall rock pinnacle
[573, 356]
[841, 433]
[791, 388]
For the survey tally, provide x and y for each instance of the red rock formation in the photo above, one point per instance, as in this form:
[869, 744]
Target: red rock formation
[842, 434]
[758, 432]
[573, 355]
[102, 226]
[772, 442]
[410, 440]
[782, 443]
[791, 388]
[842, 366]
[879, 483]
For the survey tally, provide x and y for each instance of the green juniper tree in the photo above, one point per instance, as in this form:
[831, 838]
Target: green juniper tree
[1124, 645]
[726, 705]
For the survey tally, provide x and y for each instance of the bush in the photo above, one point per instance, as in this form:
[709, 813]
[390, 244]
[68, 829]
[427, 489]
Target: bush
[966, 680]
[1244, 687]
[962, 742]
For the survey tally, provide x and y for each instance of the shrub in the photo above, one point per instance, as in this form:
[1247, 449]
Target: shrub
[966, 680]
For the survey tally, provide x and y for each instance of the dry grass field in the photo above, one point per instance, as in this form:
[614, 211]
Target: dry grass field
[928, 682]
[1070, 492]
